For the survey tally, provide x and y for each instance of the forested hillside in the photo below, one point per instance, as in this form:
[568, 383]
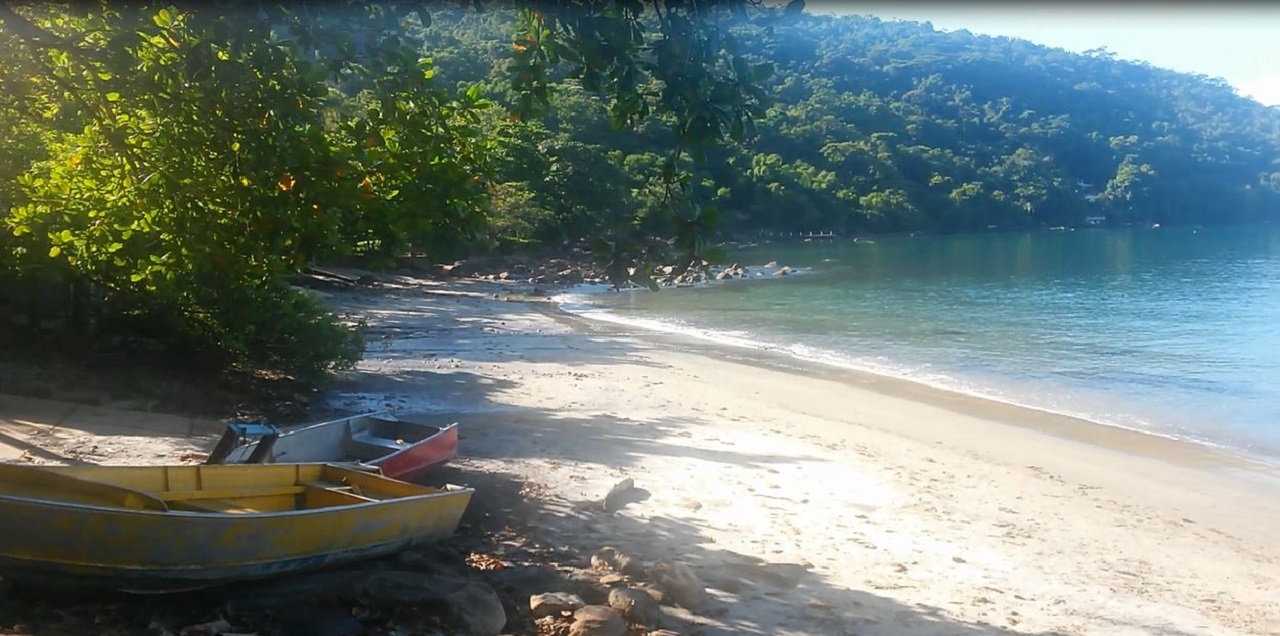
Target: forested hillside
[892, 126]
[167, 168]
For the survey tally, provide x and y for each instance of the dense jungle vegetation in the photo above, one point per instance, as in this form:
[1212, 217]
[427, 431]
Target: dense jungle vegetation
[167, 167]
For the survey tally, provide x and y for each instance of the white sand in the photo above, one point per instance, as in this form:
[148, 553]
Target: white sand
[922, 512]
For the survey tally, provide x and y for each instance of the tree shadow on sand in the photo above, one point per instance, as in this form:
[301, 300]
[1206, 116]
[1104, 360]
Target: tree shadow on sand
[516, 521]
[516, 534]
[747, 595]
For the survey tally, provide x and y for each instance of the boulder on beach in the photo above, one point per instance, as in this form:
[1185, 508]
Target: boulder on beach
[597, 620]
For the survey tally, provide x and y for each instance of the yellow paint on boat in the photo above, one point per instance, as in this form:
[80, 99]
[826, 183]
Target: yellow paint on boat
[156, 527]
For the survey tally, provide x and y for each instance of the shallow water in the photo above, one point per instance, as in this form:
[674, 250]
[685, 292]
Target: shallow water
[1171, 331]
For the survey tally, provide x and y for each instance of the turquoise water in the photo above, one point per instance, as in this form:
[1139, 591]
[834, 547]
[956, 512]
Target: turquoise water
[1170, 331]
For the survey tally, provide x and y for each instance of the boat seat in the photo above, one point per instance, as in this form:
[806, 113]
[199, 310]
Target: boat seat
[212, 505]
[364, 446]
[323, 494]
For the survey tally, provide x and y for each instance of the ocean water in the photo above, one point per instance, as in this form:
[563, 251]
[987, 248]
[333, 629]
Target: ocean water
[1175, 332]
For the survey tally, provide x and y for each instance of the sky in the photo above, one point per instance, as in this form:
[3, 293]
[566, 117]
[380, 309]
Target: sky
[1238, 42]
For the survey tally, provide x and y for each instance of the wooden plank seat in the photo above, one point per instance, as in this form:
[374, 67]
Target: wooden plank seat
[213, 505]
[225, 501]
[322, 494]
[366, 447]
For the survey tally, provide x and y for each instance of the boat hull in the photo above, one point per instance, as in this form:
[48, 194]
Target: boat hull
[400, 449]
[421, 458]
[146, 550]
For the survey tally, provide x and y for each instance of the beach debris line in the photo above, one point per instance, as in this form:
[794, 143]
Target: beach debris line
[628, 594]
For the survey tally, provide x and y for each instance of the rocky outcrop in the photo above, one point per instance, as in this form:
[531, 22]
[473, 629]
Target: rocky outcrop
[681, 583]
[635, 606]
[554, 603]
[597, 620]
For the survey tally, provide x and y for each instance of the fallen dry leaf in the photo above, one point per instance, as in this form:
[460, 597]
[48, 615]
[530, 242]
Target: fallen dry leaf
[484, 562]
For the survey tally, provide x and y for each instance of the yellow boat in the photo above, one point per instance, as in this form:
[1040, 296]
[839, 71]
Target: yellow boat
[172, 528]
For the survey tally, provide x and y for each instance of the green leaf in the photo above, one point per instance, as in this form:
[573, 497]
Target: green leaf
[54, 251]
[113, 96]
[163, 19]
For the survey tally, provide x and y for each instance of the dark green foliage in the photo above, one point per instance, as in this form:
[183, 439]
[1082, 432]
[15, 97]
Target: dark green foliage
[877, 126]
[174, 164]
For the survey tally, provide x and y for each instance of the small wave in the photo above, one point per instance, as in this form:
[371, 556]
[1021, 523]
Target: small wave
[925, 374]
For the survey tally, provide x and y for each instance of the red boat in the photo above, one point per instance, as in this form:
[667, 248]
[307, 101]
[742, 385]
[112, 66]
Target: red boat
[399, 449]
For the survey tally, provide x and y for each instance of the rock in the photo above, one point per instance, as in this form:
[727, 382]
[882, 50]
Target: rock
[656, 593]
[551, 626]
[156, 628]
[432, 558]
[465, 269]
[728, 584]
[328, 620]
[784, 271]
[477, 607]
[472, 605]
[623, 493]
[612, 579]
[608, 558]
[679, 580]
[783, 575]
[616, 493]
[771, 264]
[400, 587]
[553, 603]
[570, 275]
[597, 620]
[635, 606]
[523, 577]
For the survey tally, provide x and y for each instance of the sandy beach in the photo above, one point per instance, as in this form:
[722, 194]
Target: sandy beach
[809, 500]
[912, 510]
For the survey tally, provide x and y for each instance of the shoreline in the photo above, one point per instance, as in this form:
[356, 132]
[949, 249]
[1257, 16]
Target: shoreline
[807, 500]
[1225, 467]
[1068, 425]
[899, 497]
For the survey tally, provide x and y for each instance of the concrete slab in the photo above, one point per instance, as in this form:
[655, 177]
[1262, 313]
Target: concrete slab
[92, 419]
[57, 431]
[34, 411]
